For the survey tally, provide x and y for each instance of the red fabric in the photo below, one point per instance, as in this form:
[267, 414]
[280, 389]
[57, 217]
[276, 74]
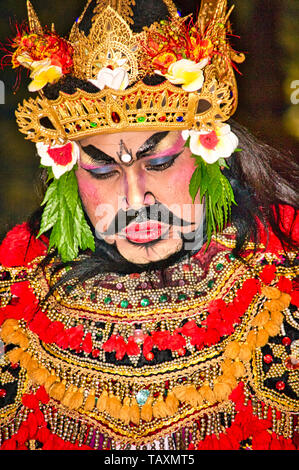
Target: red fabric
[19, 248]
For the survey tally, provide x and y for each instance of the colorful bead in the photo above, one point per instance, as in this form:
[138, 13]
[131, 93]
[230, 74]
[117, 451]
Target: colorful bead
[93, 124]
[163, 298]
[149, 356]
[219, 267]
[141, 119]
[142, 397]
[145, 302]
[124, 303]
[280, 385]
[182, 297]
[107, 300]
[268, 359]
[2, 392]
[180, 119]
[286, 341]
[162, 119]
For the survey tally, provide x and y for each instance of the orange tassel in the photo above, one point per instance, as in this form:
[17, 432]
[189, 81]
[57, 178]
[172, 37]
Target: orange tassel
[76, 399]
[245, 353]
[207, 393]
[32, 364]
[193, 397]
[68, 396]
[285, 300]
[57, 390]
[134, 412]
[102, 401]
[50, 381]
[25, 359]
[14, 355]
[90, 401]
[124, 414]
[160, 409]
[272, 328]
[147, 410]
[232, 350]
[180, 392]
[18, 337]
[221, 391]
[39, 376]
[172, 403]
[227, 366]
[114, 406]
[262, 338]
[251, 339]
[8, 327]
[277, 318]
[271, 292]
[261, 319]
[229, 380]
[238, 369]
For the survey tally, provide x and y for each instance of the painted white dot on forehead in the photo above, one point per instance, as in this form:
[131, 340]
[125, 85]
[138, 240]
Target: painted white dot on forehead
[126, 158]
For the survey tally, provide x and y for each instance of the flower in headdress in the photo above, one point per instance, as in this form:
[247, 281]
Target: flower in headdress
[212, 145]
[187, 73]
[117, 78]
[43, 72]
[61, 158]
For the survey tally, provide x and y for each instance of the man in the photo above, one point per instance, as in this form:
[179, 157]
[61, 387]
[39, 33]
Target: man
[152, 302]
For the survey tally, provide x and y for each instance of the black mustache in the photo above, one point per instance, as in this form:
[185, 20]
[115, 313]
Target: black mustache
[157, 212]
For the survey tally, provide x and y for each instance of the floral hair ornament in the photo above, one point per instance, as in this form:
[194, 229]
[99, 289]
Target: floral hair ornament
[210, 149]
[199, 93]
[63, 213]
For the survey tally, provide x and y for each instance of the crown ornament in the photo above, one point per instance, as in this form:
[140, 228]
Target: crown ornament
[112, 47]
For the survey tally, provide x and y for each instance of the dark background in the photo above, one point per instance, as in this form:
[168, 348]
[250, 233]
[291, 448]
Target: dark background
[269, 35]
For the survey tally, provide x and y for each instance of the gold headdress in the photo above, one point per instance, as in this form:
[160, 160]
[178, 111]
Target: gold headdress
[111, 44]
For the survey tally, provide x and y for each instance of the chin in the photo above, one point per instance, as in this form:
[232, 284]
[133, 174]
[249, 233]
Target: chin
[149, 254]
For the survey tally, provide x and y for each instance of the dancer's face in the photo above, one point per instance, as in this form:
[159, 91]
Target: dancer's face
[135, 189]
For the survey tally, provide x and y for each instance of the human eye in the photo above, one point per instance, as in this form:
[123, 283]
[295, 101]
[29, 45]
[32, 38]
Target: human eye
[162, 163]
[102, 172]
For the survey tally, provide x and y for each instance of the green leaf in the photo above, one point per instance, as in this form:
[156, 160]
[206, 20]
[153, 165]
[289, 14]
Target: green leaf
[195, 183]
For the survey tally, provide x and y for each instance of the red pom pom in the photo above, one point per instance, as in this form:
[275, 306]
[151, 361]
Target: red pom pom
[132, 347]
[261, 441]
[285, 285]
[295, 298]
[19, 247]
[31, 422]
[268, 273]
[42, 395]
[54, 329]
[87, 343]
[148, 345]
[212, 336]
[11, 444]
[43, 434]
[22, 434]
[110, 344]
[177, 342]
[30, 401]
[162, 339]
[189, 329]
[121, 348]
[75, 335]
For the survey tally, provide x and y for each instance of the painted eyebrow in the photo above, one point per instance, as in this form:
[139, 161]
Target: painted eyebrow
[145, 150]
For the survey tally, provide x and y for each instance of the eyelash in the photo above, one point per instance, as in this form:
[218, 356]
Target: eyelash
[162, 167]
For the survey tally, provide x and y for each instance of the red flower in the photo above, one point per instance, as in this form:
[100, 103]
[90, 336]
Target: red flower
[19, 247]
[268, 273]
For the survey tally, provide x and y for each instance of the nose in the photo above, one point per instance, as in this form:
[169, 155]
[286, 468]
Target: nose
[136, 193]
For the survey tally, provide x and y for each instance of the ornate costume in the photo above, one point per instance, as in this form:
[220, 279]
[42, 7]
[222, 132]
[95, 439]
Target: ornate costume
[201, 355]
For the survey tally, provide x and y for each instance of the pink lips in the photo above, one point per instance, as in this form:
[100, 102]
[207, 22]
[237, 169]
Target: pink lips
[144, 232]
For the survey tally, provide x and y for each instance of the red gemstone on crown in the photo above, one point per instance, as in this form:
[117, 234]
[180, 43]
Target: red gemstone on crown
[286, 341]
[115, 117]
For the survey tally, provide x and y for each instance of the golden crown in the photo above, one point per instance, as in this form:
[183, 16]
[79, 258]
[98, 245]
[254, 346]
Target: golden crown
[111, 46]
